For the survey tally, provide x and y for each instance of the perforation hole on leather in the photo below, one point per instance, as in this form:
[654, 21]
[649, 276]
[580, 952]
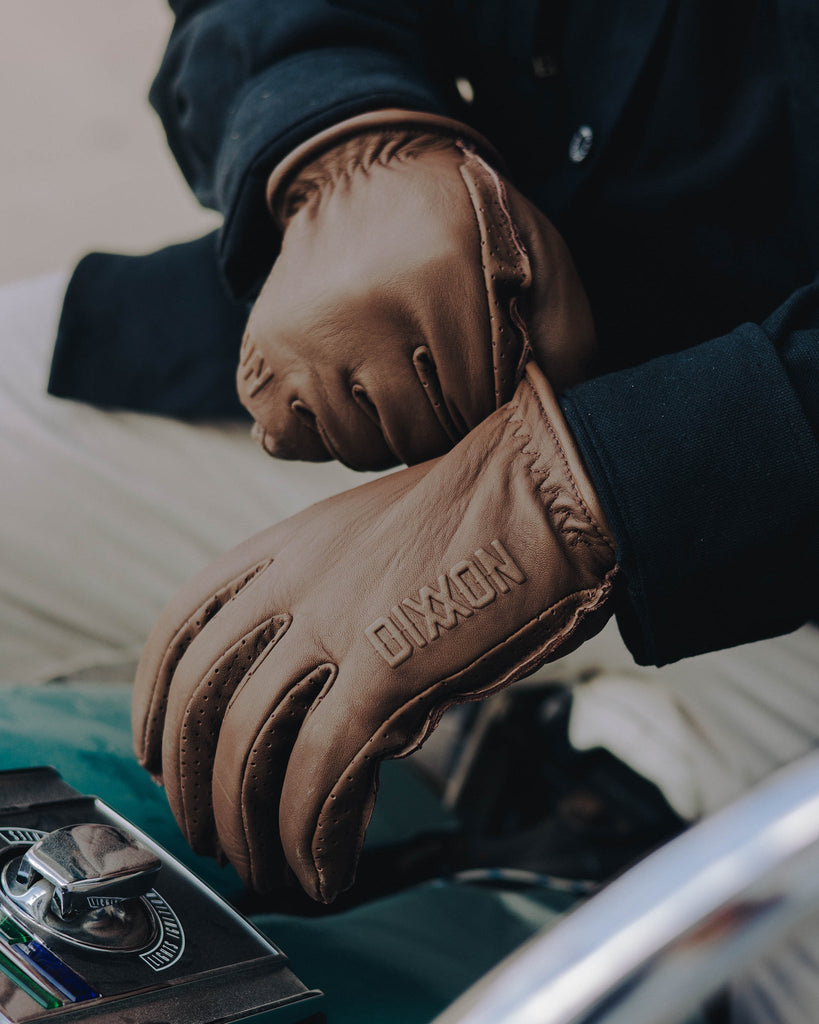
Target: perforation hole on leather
[266, 765]
[200, 727]
[187, 633]
[340, 824]
[506, 268]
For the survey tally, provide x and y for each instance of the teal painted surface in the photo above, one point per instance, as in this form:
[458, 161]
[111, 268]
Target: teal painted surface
[84, 731]
[399, 960]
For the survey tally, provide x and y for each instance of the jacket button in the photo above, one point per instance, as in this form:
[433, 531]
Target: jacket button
[581, 144]
[544, 65]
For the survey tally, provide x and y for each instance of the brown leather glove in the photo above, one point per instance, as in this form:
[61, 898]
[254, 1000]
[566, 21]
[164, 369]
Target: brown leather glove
[276, 682]
[413, 284]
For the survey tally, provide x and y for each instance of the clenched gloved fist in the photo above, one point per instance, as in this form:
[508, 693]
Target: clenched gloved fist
[413, 284]
[276, 682]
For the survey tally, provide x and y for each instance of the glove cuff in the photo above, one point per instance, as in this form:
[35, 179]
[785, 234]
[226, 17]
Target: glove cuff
[445, 128]
[569, 492]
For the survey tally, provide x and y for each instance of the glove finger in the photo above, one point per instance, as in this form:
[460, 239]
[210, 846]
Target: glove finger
[258, 732]
[372, 712]
[332, 780]
[216, 663]
[309, 413]
[386, 415]
[408, 403]
[369, 406]
[285, 425]
[181, 621]
[347, 423]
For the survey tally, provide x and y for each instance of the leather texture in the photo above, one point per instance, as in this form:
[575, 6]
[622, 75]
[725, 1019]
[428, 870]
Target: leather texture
[277, 681]
[413, 284]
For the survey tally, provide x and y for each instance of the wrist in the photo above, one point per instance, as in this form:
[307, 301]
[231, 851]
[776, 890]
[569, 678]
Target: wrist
[383, 126]
[580, 509]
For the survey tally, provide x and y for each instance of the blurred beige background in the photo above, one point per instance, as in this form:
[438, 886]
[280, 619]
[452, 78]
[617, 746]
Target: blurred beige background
[83, 160]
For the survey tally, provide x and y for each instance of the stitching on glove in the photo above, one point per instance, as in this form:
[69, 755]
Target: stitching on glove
[356, 155]
[263, 760]
[583, 603]
[195, 749]
[583, 509]
[325, 440]
[365, 403]
[427, 373]
[506, 268]
[379, 119]
[154, 718]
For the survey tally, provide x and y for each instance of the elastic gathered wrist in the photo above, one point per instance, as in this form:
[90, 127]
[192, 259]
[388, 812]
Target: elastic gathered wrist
[285, 172]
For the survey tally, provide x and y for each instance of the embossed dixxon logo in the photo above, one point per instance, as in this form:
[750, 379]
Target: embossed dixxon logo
[470, 585]
[253, 370]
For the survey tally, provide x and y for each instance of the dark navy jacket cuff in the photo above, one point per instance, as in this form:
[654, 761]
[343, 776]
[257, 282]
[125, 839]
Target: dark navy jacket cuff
[707, 465]
[253, 139]
[152, 333]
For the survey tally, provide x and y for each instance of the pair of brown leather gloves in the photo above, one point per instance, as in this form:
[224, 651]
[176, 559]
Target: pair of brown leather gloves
[419, 303]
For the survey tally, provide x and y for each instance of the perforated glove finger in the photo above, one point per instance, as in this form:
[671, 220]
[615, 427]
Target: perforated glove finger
[181, 622]
[378, 610]
[195, 606]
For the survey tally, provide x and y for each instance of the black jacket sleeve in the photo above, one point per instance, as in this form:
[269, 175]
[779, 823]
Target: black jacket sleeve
[245, 81]
[707, 462]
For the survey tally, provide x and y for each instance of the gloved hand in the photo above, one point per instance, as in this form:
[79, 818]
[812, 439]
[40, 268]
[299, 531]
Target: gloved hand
[276, 682]
[413, 285]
